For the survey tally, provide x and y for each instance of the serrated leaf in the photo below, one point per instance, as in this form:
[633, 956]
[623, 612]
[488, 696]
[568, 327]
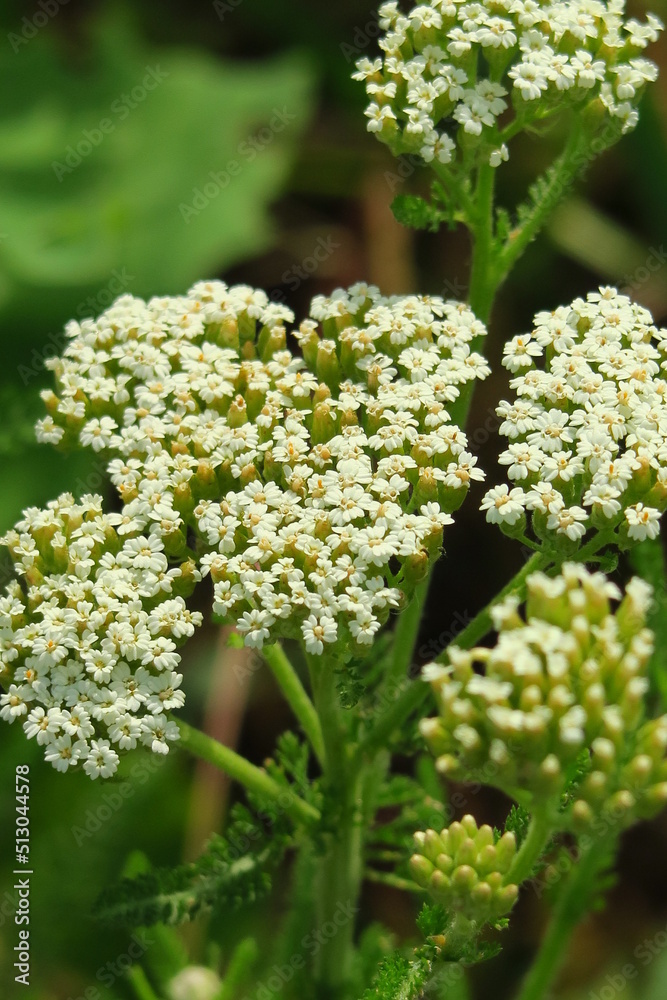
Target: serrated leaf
[432, 919]
[179, 895]
[517, 823]
[415, 212]
[227, 874]
[398, 978]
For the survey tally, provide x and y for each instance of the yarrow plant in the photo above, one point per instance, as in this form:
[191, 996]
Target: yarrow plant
[561, 695]
[90, 643]
[587, 446]
[299, 480]
[457, 80]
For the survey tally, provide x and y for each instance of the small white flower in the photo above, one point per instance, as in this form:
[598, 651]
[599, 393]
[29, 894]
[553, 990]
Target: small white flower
[317, 631]
[503, 506]
[498, 156]
[643, 522]
[101, 761]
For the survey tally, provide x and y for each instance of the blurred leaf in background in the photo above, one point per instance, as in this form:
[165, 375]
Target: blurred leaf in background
[99, 163]
[123, 168]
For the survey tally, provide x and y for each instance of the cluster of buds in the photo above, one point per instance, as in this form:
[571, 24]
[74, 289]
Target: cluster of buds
[466, 869]
[315, 487]
[89, 634]
[588, 429]
[556, 716]
[457, 79]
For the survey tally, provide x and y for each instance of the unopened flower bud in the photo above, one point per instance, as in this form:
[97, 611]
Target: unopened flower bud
[195, 982]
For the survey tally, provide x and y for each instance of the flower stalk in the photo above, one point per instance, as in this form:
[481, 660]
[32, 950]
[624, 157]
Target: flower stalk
[254, 778]
[296, 696]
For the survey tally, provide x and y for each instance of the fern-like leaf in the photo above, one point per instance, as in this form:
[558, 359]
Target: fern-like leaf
[415, 212]
[400, 978]
[232, 872]
[180, 894]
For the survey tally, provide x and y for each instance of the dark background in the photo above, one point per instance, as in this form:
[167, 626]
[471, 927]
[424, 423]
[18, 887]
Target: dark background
[124, 214]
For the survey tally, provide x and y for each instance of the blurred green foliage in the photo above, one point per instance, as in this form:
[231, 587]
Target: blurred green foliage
[104, 159]
[106, 187]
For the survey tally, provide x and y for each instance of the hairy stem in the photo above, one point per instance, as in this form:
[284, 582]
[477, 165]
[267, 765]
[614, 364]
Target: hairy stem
[483, 281]
[537, 839]
[406, 632]
[255, 779]
[570, 908]
[340, 867]
[563, 173]
[296, 695]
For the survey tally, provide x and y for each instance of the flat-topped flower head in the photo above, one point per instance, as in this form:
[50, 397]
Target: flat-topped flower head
[587, 428]
[554, 713]
[456, 80]
[465, 868]
[315, 486]
[89, 634]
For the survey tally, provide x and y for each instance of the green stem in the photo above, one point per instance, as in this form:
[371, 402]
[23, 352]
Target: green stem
[483, 283]
[412, 696]
[454, 189]
[296, 695]
[255, 779]
[415, 692]
[561, 175]
[537, 839]
[568, 911]
[140, 984]
[327, 706]
[483, 622]
[484, 279]
[597, 542]
[406, 632]
[393, 881]
[238, 970]
[341, 865]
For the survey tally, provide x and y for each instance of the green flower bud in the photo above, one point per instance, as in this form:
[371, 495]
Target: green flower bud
[562, 690]
[326, 363]
[421, 870]
[468, 875]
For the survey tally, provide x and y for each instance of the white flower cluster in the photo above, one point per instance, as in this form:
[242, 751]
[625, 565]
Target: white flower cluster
[588, 431]
[560, 698]
[88, 636]
[451, 68]
[315, 488]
